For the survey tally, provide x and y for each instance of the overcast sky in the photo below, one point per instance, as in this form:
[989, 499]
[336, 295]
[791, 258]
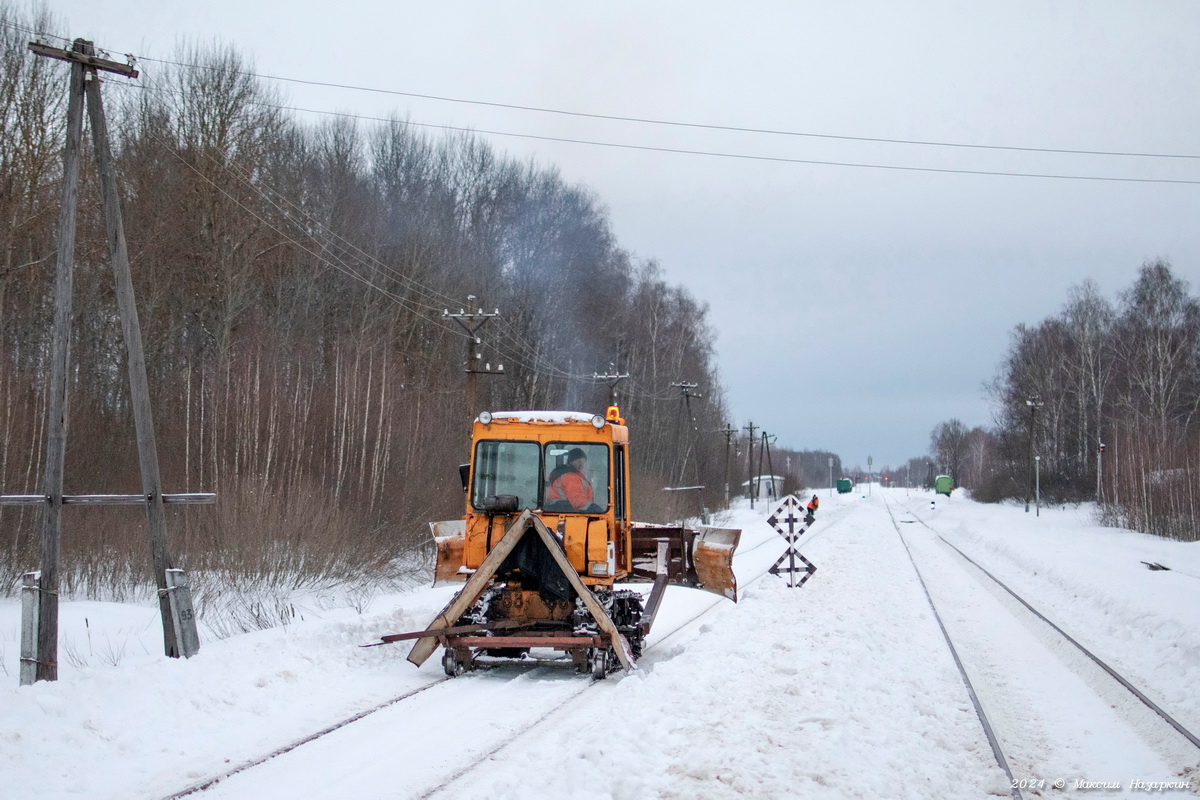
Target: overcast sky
[856, 307]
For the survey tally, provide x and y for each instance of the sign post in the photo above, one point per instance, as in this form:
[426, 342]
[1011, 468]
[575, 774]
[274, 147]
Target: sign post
[790, 523]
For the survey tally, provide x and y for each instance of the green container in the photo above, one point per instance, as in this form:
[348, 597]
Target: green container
[845, 486]
[943, 485]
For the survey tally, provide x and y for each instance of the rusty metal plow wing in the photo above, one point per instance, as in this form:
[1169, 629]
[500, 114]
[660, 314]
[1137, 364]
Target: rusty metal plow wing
[701, 559]
[713, 557]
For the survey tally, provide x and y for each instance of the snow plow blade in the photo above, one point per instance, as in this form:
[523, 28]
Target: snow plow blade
[450, 537]
[700, 559]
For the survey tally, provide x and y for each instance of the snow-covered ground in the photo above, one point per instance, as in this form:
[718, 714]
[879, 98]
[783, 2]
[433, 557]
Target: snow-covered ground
[841, 689]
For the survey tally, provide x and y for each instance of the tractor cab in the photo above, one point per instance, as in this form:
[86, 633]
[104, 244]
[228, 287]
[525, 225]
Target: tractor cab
[545, 538]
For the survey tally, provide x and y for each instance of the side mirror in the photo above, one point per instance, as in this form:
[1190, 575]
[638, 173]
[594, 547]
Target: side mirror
[464, 472]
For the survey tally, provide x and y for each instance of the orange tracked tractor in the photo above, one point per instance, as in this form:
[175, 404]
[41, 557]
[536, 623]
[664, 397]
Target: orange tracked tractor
[545, 543]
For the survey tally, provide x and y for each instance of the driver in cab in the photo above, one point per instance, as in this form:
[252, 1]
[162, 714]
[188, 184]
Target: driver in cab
[569, 483]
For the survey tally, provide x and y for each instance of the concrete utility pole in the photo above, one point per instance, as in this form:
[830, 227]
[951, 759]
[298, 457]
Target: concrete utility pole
[471, 322]
[1099, 471]
[179, 628]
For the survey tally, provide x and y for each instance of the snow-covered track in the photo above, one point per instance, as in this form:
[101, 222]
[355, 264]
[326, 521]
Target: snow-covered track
[988, 730]
[254, 762]
[648, 658]
[1117, 676]
[1074, 707]
[219, 782]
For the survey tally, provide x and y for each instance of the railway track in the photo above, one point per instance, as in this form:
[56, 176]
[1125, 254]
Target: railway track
[208, 783]
[581, 687]
[1179, 746]
[650, 651]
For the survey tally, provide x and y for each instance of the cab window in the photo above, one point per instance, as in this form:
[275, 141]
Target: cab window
[576, 477]
[504, 467]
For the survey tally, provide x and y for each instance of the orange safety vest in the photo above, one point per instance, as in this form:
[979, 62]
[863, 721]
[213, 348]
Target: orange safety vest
[572, 487]
[812, 504]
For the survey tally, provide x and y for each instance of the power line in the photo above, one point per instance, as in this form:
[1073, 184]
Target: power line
[692, 125]
[323, 253]
[707, 126]
[737, 156]
[529, 357]
[751, 157]
[533, 362]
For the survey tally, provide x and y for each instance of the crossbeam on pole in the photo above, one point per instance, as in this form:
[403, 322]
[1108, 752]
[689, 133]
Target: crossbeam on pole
[83, 58]
[189, 498]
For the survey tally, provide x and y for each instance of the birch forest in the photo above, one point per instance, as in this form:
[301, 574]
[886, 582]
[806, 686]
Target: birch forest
[1100, 402]
[293, 278]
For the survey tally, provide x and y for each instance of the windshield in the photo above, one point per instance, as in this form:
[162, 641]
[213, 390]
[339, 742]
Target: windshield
[507, 468]
[563, 477]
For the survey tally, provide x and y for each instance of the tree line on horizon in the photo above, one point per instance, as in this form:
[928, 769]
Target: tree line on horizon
[1099, 402]
[293, 280]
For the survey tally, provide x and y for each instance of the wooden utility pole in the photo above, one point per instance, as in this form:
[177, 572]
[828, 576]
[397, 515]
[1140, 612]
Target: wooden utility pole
[471, 322]
[686, 395]
[612, 377]
[1034, 404]
[766, 446]
[139, 384]
[729, 431]
[56, 437]
[751, 428]
[179, 629]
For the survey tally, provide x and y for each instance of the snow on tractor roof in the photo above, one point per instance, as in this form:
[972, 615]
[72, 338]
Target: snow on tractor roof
[555, 417]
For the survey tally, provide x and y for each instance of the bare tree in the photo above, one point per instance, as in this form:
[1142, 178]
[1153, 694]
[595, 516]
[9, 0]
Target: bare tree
[949, 443]
[1157, 339]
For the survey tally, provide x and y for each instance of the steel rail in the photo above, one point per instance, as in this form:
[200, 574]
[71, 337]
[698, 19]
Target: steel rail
[1179, 728]
[208, 783]
[570, 698]
[989, 732]
[468, 769]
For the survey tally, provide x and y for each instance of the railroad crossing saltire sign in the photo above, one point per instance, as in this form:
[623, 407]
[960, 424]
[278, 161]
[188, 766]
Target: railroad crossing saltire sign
[790, 520]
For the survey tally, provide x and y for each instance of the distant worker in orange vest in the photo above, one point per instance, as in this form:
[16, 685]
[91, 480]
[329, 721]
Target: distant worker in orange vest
[569, 483]
[812, 510]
